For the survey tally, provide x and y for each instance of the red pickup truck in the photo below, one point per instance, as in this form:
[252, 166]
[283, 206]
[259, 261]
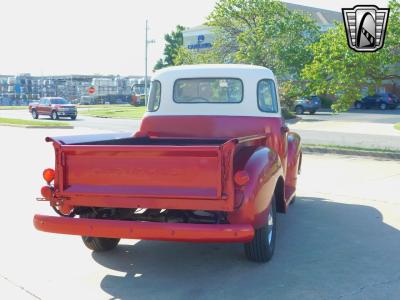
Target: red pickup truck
[213, 161]
[55, 107]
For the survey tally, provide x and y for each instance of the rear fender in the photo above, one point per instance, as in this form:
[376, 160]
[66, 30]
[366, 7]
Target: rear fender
[293, 165]
[252, 200]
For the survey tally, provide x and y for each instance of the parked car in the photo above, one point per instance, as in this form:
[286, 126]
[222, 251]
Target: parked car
[55, 107]
[382, 101]
[309, 104]
[213, 161]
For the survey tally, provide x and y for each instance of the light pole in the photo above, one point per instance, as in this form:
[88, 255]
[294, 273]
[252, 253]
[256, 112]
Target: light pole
[147, 42]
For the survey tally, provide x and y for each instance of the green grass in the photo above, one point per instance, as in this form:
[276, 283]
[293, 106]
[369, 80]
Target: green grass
[118, 112]
[104, 106]
[387, 150]
[13, 107]
[287, 114]
[9, 121]
[397, 126]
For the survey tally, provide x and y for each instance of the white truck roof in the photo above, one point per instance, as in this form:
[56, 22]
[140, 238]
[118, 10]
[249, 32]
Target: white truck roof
[249, 75]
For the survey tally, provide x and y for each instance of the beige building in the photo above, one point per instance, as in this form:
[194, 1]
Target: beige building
[201, 37]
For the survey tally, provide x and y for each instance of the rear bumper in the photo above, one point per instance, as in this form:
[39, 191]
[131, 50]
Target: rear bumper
[181, 232]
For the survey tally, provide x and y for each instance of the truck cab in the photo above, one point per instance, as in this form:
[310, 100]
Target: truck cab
[213, 161]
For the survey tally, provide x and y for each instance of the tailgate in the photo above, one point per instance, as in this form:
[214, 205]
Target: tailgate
[147, 176]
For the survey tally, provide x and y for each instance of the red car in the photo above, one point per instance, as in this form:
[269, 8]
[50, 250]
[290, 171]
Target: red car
[213, 161]
[55, 107]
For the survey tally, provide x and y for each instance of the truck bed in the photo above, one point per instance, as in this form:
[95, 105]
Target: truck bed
[147, 172]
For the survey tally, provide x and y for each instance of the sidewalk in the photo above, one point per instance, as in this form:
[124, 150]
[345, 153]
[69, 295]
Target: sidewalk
[10, 291]
[347, 127]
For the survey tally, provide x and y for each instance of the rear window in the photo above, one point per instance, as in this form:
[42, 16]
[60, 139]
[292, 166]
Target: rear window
[208, 90]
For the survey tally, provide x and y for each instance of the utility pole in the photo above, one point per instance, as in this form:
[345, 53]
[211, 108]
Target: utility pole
[147, 42]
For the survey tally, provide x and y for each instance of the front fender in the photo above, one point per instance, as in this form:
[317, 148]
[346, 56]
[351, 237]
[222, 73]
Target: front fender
[264, 168]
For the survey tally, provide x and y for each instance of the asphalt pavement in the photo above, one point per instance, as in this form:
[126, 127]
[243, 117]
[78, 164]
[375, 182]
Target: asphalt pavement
[356, 128]
[339, 240]
[322, 128]
[106, 124]
[389, 116]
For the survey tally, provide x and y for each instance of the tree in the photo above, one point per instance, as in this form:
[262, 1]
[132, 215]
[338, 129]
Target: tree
[259, 32]
[264, 32]
[188, 57]
[173, 41]
[336, 69]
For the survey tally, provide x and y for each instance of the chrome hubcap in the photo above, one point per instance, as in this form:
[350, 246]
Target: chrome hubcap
[270, 226]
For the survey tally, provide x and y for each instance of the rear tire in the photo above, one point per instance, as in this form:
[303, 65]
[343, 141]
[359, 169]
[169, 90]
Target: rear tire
[299, 110]
[54, 115]
[100, 244]
[35, 115]
[261, 248]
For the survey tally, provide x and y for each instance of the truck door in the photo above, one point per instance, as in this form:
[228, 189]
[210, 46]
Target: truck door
[47, 107]
[268, 102]
[40, 107]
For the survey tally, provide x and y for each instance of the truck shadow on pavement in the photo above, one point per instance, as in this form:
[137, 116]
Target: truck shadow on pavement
[324, 250]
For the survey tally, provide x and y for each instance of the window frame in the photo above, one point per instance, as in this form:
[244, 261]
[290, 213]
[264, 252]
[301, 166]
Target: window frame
[159, 104]
[276, 96]
[196, 78]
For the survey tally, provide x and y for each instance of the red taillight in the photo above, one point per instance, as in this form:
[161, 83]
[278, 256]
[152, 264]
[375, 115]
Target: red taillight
[48, 175]
[47, 192]
[241, 177]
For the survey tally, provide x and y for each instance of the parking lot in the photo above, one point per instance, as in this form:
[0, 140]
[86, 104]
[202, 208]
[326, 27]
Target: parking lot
[339, 240]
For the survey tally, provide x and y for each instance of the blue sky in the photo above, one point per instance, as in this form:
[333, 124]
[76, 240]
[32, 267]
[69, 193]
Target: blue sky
[99, 36]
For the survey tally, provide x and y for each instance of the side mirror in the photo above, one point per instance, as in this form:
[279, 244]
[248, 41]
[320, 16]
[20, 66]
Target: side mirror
[284, 129]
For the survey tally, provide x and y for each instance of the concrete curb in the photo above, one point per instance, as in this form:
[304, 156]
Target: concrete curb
[328, 150]
[38, 127]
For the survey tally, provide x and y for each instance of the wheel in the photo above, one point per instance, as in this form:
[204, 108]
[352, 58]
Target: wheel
[312, 112]
[299, 110]
[358, 105]
[35, 115]
[383, 106]
[73, 117]
[261, 248]
[100, 244]
[54, 115]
